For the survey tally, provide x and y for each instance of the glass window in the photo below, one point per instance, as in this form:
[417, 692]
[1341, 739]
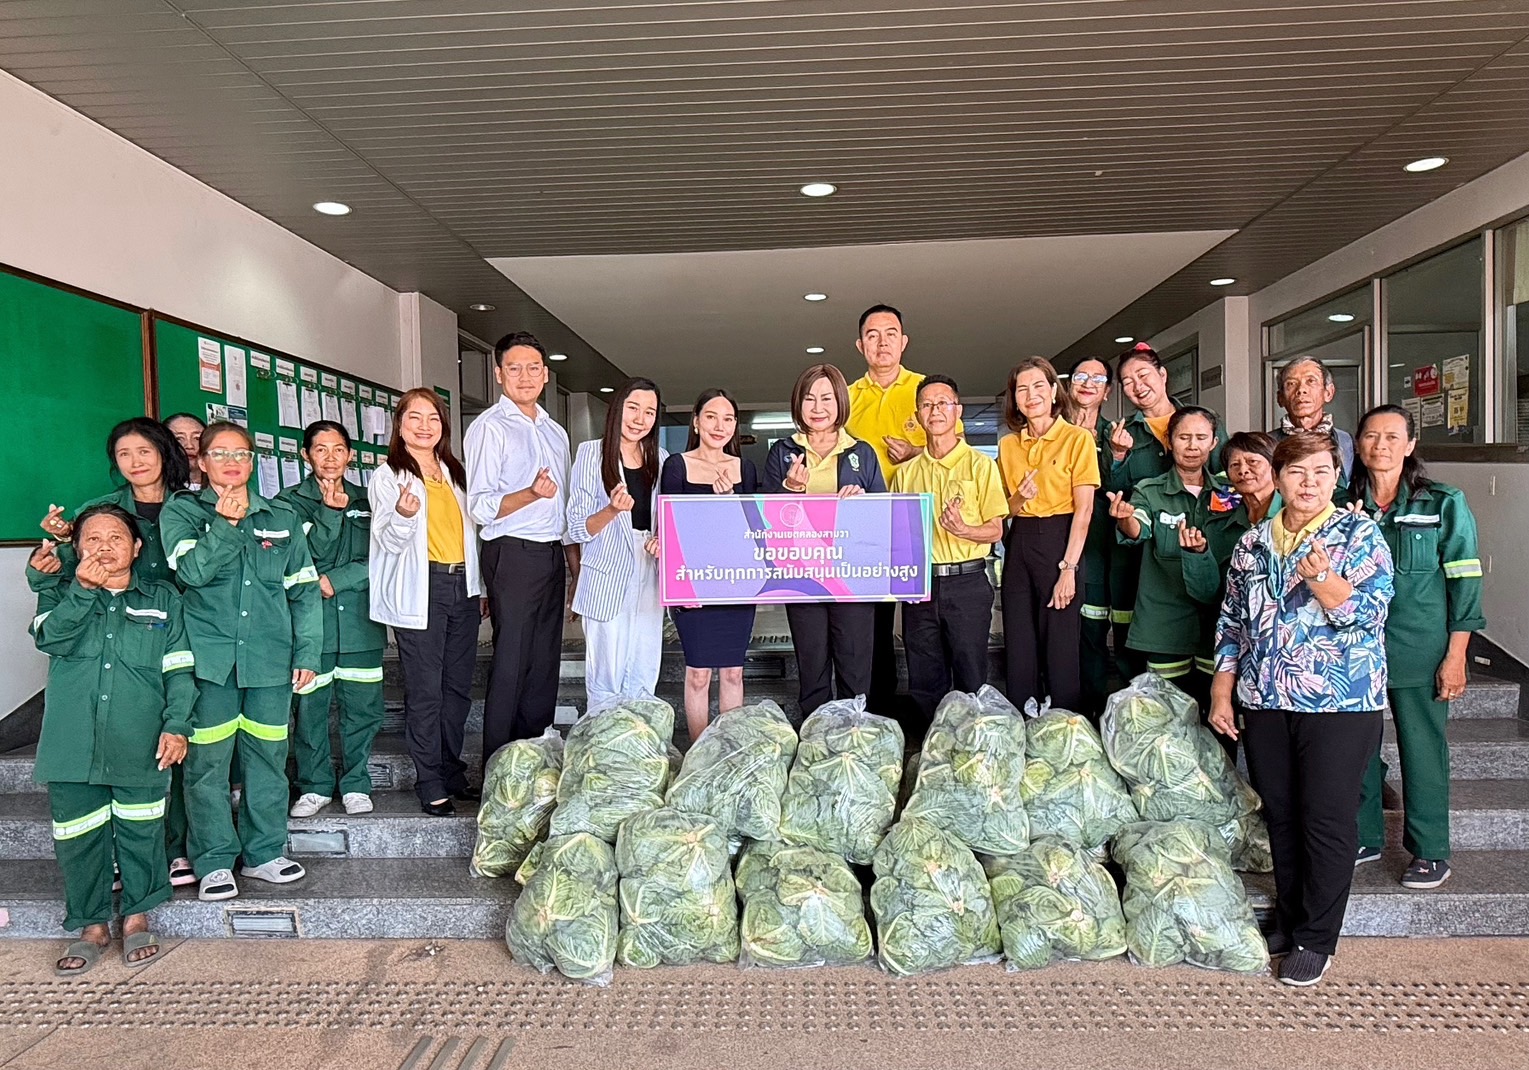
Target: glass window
[1434, 344]
[1344, 360]
[1514, 242]
[1183, 374]
[1346, 312]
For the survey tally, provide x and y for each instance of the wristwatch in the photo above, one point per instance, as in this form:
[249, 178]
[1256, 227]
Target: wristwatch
[1320, 577]
[1067, 566]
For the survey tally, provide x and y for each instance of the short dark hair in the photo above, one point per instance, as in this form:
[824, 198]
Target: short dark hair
[174, 469]
[701, 402]
[1260, 442]
[1183, 412]
[1062, 405]
[873, 310]
[111, 509]
[1303, 444]
[804, 383]
[517, 338]
[938, 380]
[313, 430]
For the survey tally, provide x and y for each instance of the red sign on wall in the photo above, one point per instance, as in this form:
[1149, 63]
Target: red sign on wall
[1425, 381]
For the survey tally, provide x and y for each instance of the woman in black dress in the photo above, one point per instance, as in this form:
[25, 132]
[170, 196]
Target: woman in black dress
[713, 637]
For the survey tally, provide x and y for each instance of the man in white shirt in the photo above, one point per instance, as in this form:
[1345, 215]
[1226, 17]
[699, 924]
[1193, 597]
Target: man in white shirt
[517, 478]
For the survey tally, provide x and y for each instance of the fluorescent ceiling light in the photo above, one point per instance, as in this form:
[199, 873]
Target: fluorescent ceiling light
[607, 390]
[819, 189]
[1427, 163]
[1225, 281]
[557, 356]
[1123, 339]
[480, 307]
[815, 297]
[814, 350]
[1341, 317]
[331, 208]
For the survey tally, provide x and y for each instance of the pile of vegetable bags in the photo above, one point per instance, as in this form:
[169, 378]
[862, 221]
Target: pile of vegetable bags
[565, 917]
[616, 764]
[677, 897]
[801, 907]
[1070, 790]
[970, 771]
[1054, 902]
[841, 795]
[1183, 902]
[932, 903]
[736, 771]
[519, 793]
[1177, 770]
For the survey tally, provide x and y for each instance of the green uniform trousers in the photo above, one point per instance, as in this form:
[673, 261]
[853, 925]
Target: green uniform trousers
[93, 825]
[175, 815]
[1420, 741]
[253, 721]
[355, 682]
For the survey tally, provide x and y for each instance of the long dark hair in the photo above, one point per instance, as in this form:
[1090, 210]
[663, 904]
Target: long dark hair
[1414, 475]
[174, 469]
[610, 445]
[399, 458]
[695, 414]
[1063, 406]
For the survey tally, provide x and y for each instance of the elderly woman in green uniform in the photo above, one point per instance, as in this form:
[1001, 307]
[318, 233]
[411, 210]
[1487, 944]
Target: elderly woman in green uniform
[1432, 537]
[253, 615]
[1089, 385]
[337, 518]
[116, 715]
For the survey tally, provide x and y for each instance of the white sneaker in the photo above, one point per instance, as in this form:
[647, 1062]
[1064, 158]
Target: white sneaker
[279, 870]
[310, 803]
[357, 802]
[234, 797]
[219, 884]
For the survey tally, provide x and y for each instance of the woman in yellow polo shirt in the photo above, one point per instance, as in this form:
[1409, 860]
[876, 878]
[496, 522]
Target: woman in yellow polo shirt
[1050, 472]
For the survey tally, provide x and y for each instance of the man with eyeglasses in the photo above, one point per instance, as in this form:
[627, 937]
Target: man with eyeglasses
[946, 638]
[1306, 388]
[517, 478]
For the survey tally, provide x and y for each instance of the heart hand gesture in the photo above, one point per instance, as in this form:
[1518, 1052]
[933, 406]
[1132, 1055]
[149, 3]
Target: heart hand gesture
[408, 501]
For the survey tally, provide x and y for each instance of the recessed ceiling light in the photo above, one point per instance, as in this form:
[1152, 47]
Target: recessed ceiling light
[557, 356]
[331, 208]
[480, 307]
[816, 297]
[1123, 339]
[814, 349]
[1341, 317]
[1222, 281]
[607, 390]
[1427, 163]
[819, 189]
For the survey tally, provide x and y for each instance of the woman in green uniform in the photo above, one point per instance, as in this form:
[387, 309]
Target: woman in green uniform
[252, 612]
[1089, 385]
[337, 519]
[116, 715]
[1432, 536]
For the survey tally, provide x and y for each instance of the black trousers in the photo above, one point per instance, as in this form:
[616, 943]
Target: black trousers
[437, 663]
[526, 584]
[1042, 646]
[834, 644]
[1309, 768]
[946, 640]
[882, 695]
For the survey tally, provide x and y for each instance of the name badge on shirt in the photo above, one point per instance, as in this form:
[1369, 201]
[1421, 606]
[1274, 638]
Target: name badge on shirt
[1170, 520]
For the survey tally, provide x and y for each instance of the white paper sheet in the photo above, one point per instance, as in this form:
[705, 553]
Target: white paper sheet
[291, 475]
[270, 481]
[264, 441]
[286, 405]
[348, 417]
[311, 409]
[287, 445]
[235, 372]
[331, 407]
[209, 357]
[261, 362]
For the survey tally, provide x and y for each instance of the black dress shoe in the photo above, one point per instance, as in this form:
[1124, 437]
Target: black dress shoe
[440, 809]
[467, 795]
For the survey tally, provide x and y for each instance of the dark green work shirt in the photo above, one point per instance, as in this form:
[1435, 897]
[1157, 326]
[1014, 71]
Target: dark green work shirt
[1147, 457]
[340, 541]
[151, 562]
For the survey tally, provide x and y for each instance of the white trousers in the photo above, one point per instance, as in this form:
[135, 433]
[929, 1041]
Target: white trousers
[622, 655]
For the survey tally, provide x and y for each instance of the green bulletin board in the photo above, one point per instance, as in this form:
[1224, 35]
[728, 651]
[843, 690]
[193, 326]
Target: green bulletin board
[216, 377]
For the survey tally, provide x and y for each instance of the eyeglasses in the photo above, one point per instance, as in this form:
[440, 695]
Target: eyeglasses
[931, 406]
[237, 456]
[1087, 377]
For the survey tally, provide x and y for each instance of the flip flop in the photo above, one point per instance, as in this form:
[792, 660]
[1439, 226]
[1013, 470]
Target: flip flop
[137, 942]
[89, 953]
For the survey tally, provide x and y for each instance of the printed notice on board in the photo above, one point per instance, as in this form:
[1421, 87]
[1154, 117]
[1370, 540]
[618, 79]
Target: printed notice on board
[286, 405]
[329, 382]
[264, 441]
[1457, 372]
[270, 481]
[286, 368]
[261, 362]
[1433, 411]
[291, 475]
[1459, 415]
[308, 375]
[235, 372]
[347, 387]
[1414, 407]
[348, 417]
[311, 411]
[209, 356]
[331, 407]
[286, 445]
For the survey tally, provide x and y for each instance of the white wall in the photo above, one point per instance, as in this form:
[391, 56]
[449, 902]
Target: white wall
[586, 418]
[1220, 331]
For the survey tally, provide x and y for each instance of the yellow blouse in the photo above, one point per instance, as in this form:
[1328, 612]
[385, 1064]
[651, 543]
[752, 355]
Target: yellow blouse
[443, 523]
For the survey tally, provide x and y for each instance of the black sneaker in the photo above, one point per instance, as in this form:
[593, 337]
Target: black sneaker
[1366, 854]
[1278, 943]
[1303, 967]
[1424, 874]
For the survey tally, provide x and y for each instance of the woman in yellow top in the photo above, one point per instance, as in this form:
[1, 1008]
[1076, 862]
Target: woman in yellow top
[1050, 472]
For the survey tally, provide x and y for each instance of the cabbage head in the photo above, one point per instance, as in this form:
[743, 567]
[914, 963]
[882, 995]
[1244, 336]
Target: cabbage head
[616, 764]
[1070, 790]
[1055, 902]
[931, 900]
[565, 917]
[841, 795]
[519, 793]
[970, 771]
[1177, 771]
[736, 771]
[801, 907]
[1183, 902]
[678, 904]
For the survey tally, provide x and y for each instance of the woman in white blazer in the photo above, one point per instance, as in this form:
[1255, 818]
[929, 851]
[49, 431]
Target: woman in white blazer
[425, 584]
[612, 500]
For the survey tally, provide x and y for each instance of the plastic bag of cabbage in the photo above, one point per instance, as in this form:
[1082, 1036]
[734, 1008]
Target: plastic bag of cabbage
[676, 894]
[616, 764]
[519, 792]
[1177, 770]
[931, 900]
[970, 771]
[736, 771]
[801, 907]
[1055, 902]
[565, 917]
[1183, 902]
[841, 795]
[1070, 790]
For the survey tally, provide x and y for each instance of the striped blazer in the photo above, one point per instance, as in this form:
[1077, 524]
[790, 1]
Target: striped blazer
[606, 564]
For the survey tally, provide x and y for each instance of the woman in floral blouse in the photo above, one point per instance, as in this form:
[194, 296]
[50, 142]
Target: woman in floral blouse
[1301, 642]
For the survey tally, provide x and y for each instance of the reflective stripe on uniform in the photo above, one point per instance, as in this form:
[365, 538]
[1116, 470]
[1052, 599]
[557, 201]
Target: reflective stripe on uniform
[215, 733]
[306, 574]
[1464, 569]
[173, 557]
[359, 676]
[157, 614]
[68, 830]
[1170, 669]
[271, 733]
[323, 679]
[1207, 665]
[1095, 612]
[177, 659]
[307, 526]
[37, 620]
[1121, 616]
[1142, 517]
[150, 811]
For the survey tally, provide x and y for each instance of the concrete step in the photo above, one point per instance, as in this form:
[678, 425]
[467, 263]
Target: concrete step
[1486, 696]
[1480, 748]
[1484, 815]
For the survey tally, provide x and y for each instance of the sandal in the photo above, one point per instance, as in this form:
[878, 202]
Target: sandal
[138, 942]
[87, 952]
[181, 873]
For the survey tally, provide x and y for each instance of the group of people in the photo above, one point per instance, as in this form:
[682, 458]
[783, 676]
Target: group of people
[1293, 582]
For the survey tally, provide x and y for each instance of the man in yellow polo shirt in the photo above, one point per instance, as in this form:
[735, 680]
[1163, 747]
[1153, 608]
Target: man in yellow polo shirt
[946, 638]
